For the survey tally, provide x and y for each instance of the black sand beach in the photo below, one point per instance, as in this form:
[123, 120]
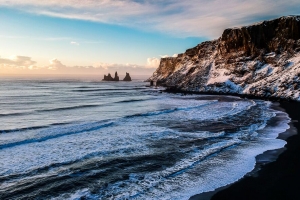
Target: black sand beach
[275, 180]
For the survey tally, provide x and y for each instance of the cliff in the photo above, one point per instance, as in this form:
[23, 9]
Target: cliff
[262, 59]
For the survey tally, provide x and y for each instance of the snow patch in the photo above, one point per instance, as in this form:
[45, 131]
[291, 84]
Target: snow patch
[217, 75]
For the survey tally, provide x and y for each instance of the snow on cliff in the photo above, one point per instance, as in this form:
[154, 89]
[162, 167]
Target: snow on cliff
[262, 60]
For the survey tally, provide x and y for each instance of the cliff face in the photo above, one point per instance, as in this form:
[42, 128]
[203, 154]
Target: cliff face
[262, 60]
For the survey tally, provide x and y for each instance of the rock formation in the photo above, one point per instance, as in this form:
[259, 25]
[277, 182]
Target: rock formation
[109, 78]
[116, 77]
[261, 60]
[127, 77]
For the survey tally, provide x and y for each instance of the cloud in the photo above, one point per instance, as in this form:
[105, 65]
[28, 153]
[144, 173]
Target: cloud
[153, 62]
[22, 62]
[25, 65]
[74, 43]
[164, 56]
[182, 18]
[55, 65]
[122, 69]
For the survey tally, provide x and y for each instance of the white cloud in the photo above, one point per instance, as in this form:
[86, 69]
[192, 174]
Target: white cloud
[25, 65]
[164, 56]
[153, 62]
[183, 18]
[74, 43]
[55, 65]
[21, 62]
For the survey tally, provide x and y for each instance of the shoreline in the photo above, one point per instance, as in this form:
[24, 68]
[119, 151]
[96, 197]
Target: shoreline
[249, 96]
[262, 182]
[275, 179]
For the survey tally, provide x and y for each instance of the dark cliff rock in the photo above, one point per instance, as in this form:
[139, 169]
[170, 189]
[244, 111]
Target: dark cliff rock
[270, 36]
[110, 78]
[127, 77]
[116, 77]
[262, 60]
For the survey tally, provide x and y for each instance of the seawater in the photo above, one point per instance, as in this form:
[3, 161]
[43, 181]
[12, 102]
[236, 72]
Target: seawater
[74, 139]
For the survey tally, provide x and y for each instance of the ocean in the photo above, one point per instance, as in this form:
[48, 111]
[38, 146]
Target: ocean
[87, 139]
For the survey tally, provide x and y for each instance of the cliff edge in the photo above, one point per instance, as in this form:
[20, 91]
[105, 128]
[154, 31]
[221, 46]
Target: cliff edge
[262, 59]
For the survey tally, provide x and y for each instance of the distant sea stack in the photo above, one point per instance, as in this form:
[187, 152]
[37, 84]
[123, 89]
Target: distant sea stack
[116, 78]
[261, 60]
[127, 77]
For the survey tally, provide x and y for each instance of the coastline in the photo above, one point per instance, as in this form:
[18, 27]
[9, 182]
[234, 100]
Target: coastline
[275, 180]
[278, 177]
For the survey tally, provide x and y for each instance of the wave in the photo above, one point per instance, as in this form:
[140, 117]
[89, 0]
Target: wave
[167, 111]
[14, 114]
[82, 128]
[90, 170]
[155, 162]
[49, 110]
[29, 128]
[133, 100]
[68, 108]
[108, 89]
[76, 129]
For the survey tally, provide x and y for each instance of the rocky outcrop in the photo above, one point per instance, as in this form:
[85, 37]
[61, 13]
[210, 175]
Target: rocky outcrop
[261, 60]
[109, 78]
[116, 77]
[127, 77]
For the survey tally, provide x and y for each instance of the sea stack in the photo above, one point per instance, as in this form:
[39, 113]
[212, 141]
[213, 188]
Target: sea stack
[116, 77]
[127, 77]
[110, 78]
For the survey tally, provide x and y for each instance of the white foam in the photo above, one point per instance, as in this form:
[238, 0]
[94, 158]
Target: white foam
[203, 169]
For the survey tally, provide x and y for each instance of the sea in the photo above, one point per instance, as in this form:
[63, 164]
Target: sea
[89, 139]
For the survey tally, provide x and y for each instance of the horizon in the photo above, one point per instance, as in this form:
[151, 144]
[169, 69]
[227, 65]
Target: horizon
[93, 38]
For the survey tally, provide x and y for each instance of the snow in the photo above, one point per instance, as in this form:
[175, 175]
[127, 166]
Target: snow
[271, 54]
[217, 75]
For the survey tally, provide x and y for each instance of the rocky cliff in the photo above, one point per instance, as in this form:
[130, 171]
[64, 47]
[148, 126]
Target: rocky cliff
[262, 59]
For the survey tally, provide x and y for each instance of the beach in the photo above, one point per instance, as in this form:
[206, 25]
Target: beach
[274, 180]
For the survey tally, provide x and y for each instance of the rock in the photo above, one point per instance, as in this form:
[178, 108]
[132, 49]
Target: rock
[116, 77]
[262, 59]
[109, 78]
[127, 77]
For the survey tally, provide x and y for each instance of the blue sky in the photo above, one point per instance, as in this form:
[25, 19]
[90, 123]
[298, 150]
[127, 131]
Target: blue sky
[97, 36]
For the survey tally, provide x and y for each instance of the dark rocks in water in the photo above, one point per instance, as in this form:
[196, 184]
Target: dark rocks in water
[116, 78]
[127, 77]
[110, 78]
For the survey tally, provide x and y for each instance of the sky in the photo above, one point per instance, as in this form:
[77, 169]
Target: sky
[82, 37]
